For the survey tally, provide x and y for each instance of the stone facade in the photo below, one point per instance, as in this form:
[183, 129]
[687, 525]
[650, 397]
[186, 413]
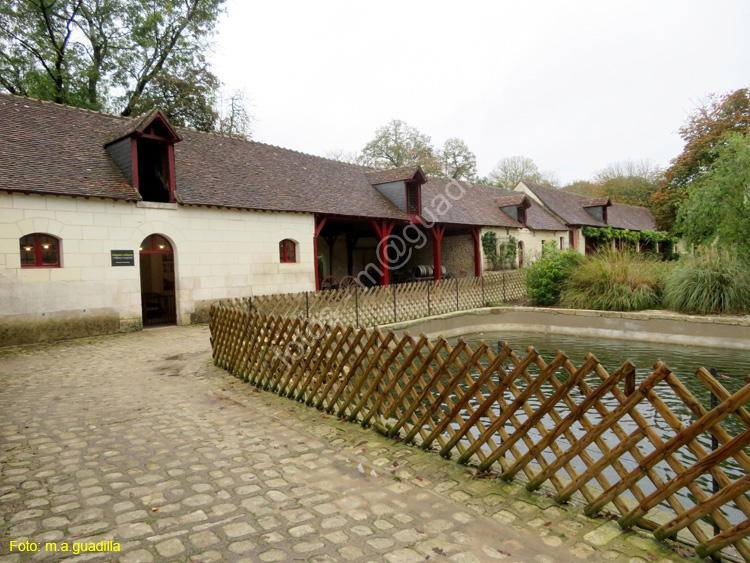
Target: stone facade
[218, 253]
[532, 242]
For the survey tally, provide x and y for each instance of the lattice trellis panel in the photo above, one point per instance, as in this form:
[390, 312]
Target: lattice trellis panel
[586, 432]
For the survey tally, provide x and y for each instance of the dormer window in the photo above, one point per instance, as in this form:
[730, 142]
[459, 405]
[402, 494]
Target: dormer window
[413, 199]
[515, 206]
[521, 214]
[597, 208]
[144, 151]
[402, 186]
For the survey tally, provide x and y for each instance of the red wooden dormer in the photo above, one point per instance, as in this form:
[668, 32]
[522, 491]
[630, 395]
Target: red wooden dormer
[402, 186]
[144, 150]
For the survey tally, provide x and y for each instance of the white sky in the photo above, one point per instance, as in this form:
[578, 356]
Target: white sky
[573, 85]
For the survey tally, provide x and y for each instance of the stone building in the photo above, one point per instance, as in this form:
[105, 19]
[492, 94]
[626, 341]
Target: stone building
[108, 223]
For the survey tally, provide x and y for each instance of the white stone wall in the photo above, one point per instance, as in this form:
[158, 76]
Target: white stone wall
[532, 242]
[219, 253]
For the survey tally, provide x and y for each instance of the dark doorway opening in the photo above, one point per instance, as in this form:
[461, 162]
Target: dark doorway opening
[158, 304]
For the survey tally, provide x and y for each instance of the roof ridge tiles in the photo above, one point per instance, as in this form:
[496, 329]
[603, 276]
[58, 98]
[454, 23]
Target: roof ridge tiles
[50, 102]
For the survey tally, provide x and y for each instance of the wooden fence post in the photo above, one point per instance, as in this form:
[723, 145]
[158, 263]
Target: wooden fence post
[395, 315]
[429, 285]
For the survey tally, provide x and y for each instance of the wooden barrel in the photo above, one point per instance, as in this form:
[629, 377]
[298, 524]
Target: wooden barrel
[423, 271]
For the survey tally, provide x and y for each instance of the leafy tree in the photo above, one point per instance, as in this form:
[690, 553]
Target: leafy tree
[704, 131]
[187, 100]
[584, 187]
[117, 54]
[458, 162]
[630, 182]
[511, 170]
[397, 144]
[718, 206]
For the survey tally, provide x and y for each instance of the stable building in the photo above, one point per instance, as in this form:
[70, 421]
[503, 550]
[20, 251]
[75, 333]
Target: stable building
[109, 223]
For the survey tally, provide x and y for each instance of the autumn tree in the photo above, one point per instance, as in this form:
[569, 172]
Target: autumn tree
[121, 55]
[717, 208]
[457, 161]
[398, 144]
[704, 131]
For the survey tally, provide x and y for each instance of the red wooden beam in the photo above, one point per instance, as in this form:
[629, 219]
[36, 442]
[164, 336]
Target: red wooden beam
[437, 232]
[477, 254]
[134, 158]
[383, 229]
[172, 179]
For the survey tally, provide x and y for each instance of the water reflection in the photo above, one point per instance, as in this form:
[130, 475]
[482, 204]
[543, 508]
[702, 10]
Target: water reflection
[732, 367]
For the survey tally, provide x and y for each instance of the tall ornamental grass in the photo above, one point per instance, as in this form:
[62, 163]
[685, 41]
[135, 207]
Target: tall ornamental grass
[615, 280]
[710, 280]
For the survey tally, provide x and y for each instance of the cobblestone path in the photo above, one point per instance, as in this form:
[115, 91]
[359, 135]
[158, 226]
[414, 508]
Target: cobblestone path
[137, 439]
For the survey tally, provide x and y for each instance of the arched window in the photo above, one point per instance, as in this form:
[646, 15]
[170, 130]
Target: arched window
[155, 244]
[39, 250]
[287, 251]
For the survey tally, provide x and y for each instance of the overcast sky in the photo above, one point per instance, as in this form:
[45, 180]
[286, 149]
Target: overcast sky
[572, 85]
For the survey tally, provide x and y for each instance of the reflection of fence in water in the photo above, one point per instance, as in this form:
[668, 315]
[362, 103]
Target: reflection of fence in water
[587, 432]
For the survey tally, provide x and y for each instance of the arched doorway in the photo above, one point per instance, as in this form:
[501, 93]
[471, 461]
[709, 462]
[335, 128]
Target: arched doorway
[520, 254]
[157, 281]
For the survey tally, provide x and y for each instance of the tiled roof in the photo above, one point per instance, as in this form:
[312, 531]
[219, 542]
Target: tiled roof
[135, 125]
[537, 217]
[475, 207]
[229, 172]
[514, 199]
[52, 149]
[596, 202]
[565, 205]
[48, 148]
[394, 174]
[571, 209]
[631, 217]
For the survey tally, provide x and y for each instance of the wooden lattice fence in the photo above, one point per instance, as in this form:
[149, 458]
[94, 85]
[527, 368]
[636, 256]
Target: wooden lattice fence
[513, 413]
[381, 305]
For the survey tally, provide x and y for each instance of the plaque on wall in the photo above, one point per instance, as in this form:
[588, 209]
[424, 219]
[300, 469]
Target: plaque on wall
[123, 258]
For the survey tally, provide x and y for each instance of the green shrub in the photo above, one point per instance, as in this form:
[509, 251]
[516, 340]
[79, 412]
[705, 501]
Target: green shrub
[615, 280]
[546, 276]
[709, 281]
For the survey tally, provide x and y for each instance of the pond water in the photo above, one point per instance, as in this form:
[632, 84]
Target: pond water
[733, 366]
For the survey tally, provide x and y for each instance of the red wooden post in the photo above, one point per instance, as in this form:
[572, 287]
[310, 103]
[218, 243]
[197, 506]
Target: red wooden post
[437, 232]
[477, 254]
[134, 158]
[172, 179]
[383, 230]
[319, 224]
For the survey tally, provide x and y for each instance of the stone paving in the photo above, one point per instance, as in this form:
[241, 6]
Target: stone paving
[139, 440]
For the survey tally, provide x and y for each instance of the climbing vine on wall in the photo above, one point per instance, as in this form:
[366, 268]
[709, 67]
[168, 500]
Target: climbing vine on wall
[650, 239]
[502, 255]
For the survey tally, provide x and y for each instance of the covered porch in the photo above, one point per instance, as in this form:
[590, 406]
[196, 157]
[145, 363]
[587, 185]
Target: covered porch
[365, 251]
